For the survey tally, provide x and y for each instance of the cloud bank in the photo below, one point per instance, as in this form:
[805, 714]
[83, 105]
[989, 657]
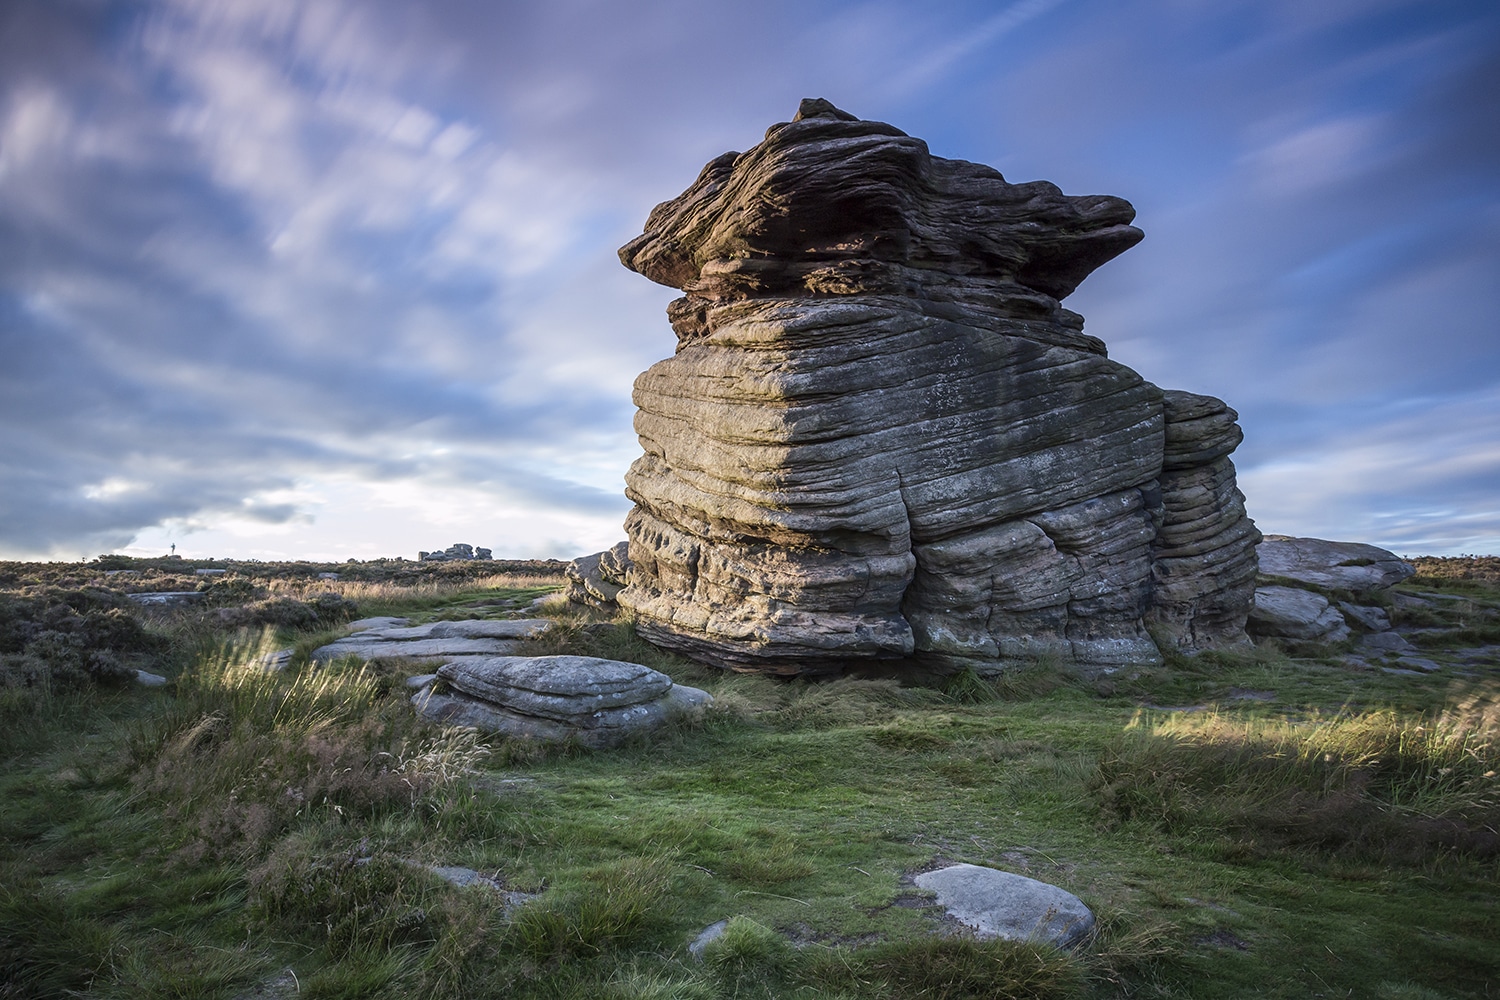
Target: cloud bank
[324, 280]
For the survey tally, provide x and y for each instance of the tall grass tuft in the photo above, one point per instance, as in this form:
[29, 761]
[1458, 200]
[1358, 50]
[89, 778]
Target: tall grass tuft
[619, 905]
[246, 752]
[1379, 784]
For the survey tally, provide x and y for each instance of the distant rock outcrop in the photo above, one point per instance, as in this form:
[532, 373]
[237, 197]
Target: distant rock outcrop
[453, 553]
[882, 436]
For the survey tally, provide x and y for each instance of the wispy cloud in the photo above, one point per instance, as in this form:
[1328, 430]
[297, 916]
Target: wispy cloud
[339, 277]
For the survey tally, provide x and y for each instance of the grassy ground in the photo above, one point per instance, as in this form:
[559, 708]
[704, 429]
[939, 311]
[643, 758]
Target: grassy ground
[1255, 826]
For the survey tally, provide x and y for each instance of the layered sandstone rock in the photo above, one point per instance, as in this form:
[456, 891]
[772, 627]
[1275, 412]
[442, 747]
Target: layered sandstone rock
[599, 703]
[882, 435]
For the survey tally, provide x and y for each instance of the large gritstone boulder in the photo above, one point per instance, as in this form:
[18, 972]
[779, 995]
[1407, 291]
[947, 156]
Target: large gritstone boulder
[882, 436]
[1316, 562]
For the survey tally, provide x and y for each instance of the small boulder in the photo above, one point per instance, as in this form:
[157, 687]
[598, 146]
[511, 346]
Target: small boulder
[1315, 562]
[555, 698]
[1289, 613]
[1386, 642]
[148, 679]
[999, 904]
[1368, 618]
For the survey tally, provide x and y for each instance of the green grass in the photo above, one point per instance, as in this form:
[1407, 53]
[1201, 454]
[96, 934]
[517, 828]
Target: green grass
[1272, 828]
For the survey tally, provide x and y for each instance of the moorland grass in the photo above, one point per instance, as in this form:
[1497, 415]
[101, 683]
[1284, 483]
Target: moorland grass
[250, 834]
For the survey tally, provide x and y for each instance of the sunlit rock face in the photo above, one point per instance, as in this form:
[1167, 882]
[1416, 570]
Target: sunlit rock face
[882, 436]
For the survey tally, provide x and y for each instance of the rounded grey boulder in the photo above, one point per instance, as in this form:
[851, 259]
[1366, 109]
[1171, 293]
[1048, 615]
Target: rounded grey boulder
[555, 698]
[999, 904]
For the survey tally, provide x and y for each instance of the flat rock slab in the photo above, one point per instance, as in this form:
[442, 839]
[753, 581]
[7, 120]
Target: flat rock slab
[476, 628]
[379, 621]
[1315, 562]
[999, 904]
[1368, 618]
[417, 649]
[440, 641]
[1386, 642]
[168, 597]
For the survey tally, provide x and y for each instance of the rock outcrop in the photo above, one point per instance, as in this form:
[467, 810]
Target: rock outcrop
[882, 436]
[1291, 613]
[453, 553]
[596, 580]
[1293, 571]
[597, 702]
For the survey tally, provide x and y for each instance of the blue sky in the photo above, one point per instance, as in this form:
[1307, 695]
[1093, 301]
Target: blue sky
[337, 278]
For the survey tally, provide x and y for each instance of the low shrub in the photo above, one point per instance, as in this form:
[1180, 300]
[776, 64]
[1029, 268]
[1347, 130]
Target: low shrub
[319, 611]
[70, 639]
[247, 751]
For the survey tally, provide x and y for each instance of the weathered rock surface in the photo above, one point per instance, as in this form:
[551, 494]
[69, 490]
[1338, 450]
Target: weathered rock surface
[1291, 613]
[596, 580]
[883, 436]
[1371, 619]
[1203, 559]
[1314, 562]
[555, 698]
[437, 640]
[999, 904]
[1386, 642]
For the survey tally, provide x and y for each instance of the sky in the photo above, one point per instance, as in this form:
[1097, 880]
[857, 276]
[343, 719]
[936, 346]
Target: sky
[331, 279]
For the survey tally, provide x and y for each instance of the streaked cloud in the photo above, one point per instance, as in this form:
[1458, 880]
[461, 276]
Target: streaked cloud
[336, 279]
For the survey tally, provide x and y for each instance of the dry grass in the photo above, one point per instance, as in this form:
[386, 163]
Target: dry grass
[1402, 788]
[245, 751]
[386, 591]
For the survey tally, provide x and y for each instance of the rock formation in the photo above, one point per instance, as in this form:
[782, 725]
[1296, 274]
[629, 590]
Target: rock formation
[1316, 562]
[1297, 578]
[454, 553]
[882, 436]
[596, 702]
[596, 580]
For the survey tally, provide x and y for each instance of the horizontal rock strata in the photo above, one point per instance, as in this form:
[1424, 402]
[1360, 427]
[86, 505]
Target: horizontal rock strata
[882, 436]
[596, 702]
